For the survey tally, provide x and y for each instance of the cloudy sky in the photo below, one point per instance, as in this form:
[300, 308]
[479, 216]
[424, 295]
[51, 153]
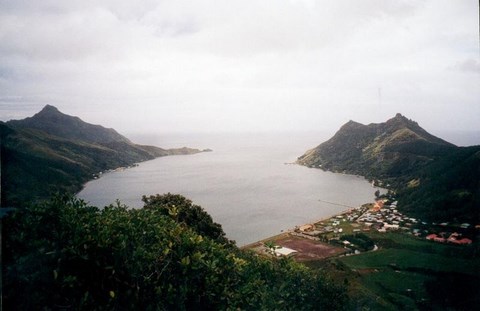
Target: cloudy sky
[180, 66]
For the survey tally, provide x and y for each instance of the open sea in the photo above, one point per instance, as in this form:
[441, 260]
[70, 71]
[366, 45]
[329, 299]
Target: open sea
[245, 184]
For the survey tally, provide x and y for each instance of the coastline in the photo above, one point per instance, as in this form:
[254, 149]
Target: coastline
[291, 230]
[173, 152]
[323, 219]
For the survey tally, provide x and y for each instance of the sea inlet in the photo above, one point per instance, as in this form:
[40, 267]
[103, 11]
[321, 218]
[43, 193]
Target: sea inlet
[247, 183]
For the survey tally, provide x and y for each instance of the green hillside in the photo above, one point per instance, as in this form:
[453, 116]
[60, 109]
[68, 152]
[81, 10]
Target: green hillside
[53, 152]
[51, 121]
[433, 179]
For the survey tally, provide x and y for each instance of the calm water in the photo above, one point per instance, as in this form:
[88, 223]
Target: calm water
[244, 183]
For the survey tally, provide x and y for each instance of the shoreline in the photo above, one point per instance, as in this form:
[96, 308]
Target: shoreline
[290, 230]
[98, 175]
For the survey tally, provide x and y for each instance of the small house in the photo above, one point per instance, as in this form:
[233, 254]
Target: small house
[284, 251]
[307, 228]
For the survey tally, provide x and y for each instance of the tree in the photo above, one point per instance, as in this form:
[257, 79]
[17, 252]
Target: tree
[270, 247]
[182, 210]
[64, 254]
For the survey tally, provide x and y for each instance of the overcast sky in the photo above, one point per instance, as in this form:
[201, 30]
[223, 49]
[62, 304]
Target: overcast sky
[180, 66]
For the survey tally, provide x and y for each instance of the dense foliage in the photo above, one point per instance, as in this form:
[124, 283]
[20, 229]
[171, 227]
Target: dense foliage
[360, 240]
[182, 210]
[448, 188]
[66, 255]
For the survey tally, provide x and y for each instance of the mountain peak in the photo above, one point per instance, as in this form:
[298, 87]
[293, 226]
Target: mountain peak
[53, 122]
[400, 117]
[400, 121]
[356, 148]
[351, 125]
[47, 112]
[49, 108]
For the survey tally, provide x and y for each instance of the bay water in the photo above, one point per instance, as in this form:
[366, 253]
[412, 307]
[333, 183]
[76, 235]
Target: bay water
[247, 183]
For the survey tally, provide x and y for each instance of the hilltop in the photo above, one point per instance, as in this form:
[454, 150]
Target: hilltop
[51, 121]
[433, 178]
[382, 150]
[51, 152]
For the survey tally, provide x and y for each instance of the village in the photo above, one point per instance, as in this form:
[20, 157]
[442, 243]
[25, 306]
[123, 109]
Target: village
[348, 233]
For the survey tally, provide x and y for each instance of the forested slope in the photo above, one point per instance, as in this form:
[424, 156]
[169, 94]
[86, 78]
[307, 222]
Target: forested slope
[433, 179]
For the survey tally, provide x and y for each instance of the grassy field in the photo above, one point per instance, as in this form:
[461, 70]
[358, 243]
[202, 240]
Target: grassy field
[404, 259]
[408, 273]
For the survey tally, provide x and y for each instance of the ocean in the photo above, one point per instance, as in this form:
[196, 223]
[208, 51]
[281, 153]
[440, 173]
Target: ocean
[247, 183]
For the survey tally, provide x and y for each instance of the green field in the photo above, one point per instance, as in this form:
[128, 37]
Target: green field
[409, 273]
[403, 259]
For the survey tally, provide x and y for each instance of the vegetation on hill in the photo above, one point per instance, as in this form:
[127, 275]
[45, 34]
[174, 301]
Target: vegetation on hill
[53, 152]
[182, 210]
[382, 150]
[169, 255]
[448, 189]
[433, 179]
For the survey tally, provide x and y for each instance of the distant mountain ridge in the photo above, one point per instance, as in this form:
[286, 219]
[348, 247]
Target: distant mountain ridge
[386, 149]
[51, 121]
[52, 151]
[432, 177]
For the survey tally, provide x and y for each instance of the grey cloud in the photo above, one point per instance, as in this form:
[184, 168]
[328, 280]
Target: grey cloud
[241, 65]
[70, 36]
[469, 66]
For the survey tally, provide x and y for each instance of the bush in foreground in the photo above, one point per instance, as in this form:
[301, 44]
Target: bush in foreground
[66, 255]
